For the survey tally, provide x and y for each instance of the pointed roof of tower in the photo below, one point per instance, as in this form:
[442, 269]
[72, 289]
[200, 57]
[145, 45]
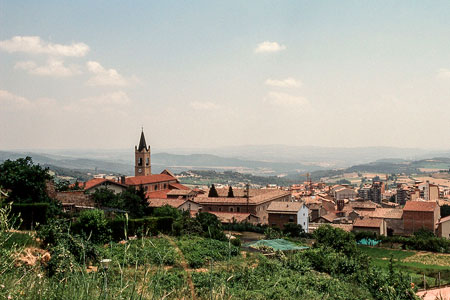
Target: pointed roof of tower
[142, 143]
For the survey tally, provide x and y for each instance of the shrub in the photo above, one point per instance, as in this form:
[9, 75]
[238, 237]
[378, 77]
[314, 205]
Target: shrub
[293, 230]
[167, 211]
[93, 225]
[272, 233]
[198, 251]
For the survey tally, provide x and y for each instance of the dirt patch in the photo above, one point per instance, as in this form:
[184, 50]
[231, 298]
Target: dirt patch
[31, 256]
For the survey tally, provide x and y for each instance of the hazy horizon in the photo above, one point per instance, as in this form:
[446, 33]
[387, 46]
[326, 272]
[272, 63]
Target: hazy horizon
[206, 75]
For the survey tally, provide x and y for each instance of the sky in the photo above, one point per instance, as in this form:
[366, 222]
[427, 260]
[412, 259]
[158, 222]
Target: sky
[90, 74]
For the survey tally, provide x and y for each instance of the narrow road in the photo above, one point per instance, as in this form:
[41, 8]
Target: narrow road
[185, 266]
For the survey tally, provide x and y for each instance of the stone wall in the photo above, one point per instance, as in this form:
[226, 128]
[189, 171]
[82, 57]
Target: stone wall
[78, 198]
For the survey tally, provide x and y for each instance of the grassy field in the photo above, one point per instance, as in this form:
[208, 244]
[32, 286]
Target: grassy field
[415, 264]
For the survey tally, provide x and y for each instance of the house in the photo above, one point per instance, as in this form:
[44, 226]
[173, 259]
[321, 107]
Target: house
[377, 226]
[234, 217]
[256, 203]
[444, 227]
[91, 186]
[281, 213]
[344, 193]
[420, 215]
[180, 204]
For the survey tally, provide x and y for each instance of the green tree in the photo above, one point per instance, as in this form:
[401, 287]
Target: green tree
[336, 238]
[213, 192]
[167, 211]
[134, 201]
[293, 230]
[26, 180]
[211, 226]
[105, 197]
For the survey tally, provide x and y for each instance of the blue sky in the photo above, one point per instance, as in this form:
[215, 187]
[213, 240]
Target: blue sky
[89, 74]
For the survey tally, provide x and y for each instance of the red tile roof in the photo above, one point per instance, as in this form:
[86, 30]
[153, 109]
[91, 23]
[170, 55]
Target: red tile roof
[420, 206]
[161, 202]
[446, 219]
[154, 178]
[162, 194]
[368, 223]
[178, 186]
[259, 196]
[95, 182]
[284, 207]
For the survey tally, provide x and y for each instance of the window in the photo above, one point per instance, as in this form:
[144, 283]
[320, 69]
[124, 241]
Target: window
[220, 208]
[165, 185]
[147, 161]
[231, 209]
[156, 187]
[238, 209]
[291, 218]
[146, 188]
[140, 161]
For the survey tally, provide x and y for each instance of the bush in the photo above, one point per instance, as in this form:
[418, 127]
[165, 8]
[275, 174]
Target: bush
[272, 233]
[293, 230]
[336, 238]
[93, 225]
[198, 251]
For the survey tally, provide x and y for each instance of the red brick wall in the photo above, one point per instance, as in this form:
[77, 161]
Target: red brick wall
[415, 220]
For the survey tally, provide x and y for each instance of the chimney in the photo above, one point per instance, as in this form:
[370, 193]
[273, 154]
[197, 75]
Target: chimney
[122, 179]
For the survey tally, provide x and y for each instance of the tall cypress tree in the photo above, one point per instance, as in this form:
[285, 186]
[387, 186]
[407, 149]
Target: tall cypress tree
[213, 192]
[230, 192]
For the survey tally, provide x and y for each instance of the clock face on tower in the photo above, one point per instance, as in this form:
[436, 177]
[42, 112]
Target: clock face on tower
[140, 170]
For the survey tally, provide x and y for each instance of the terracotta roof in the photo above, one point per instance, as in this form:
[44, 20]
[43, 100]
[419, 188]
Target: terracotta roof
[345, 227]
[161, 202]
[162, 194]
[445, 219]
[178, 186]
[280, 207]
[266, 196]
[95, 182]
[329, 217]
[154, 178]
[386, 213]
[368, 223]
[363, 204]
[420, 206]
[179, 192]
[229, 217]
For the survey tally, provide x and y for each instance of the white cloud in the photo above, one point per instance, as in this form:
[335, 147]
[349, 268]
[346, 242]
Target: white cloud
[285, 100]
[443, 73]
[269, 47]
[102, 76]
[34, 45]
[197, 105]
[285, 83]
[11, 101]
[54, 67]
[114, 103]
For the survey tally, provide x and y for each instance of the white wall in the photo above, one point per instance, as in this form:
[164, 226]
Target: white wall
[303, 218]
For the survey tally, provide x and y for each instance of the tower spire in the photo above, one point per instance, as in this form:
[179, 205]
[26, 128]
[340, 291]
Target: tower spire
[142, 143]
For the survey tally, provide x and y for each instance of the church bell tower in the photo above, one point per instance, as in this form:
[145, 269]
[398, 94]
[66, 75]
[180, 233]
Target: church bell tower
[142, 165]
